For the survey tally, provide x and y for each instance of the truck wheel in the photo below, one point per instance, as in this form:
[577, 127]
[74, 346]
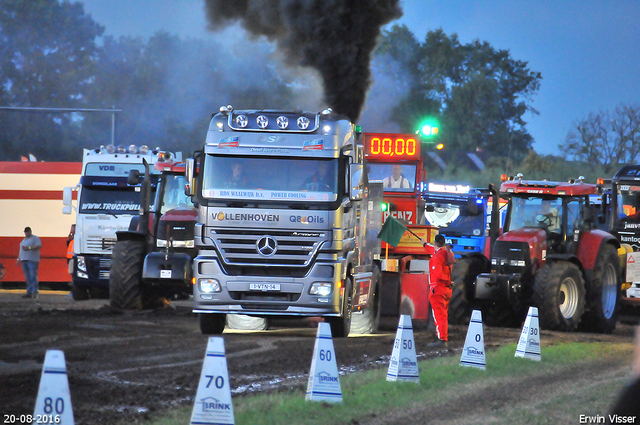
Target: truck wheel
[125, 292]
[367, 321]
[603, 298]
[243, 322]
[464, 274]
[79, 293]
[212, 323]
[559, 294]
[340, 326]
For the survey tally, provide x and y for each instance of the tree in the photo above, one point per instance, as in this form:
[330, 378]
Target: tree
[605, 138]
[47, 51]
[478, 94]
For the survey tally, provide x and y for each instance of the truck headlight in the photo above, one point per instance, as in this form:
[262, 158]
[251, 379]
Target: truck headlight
[494, 261]
[81, 264]
[184, 244]
[517, 263]
[209, 286]
[321, 288]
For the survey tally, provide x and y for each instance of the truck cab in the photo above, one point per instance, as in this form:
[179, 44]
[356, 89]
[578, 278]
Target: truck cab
[287, 220]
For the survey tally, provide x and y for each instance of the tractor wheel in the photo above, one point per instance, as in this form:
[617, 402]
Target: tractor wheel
[464, 274]
[559, 294]
[125, 288]
[212, 323]
[242, 322]
[603, 298]
[79, 293]
[367, 321]
[340, 326]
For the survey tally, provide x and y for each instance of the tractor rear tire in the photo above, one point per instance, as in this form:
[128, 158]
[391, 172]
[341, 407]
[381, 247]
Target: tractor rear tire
[212, 323]
[242, 322]
[603, 298]
[340, 326]
[559, 294]
[367, 321]
[125, 277]
[464, 274]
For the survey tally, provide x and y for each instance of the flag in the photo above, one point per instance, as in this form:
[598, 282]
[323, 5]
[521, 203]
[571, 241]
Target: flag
[392, 231]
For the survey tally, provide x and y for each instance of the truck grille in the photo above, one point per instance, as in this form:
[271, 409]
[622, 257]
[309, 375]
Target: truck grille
[239, 247]
[105, 266]
[100, 245]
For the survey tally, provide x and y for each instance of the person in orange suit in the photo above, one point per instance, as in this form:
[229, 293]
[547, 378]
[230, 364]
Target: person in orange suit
[440, 289]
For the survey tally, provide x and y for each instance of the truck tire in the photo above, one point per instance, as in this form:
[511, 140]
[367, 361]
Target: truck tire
[603, 297]
[79, 293]
[340, 326]
[243, 322]
[125, 278]
[559, 294]
[464, 274]
[367, 321]
[212, 323]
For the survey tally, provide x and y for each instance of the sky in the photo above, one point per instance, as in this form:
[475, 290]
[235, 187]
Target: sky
[588, 51]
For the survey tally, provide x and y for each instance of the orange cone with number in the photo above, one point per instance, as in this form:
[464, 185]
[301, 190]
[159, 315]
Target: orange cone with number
[213, 399]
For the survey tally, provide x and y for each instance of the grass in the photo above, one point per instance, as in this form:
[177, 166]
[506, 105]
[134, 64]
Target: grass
[368, 395]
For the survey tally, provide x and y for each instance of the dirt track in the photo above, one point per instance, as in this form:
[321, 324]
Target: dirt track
[137, 364]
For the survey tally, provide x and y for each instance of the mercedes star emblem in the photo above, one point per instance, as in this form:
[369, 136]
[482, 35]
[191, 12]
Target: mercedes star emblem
[267, 246]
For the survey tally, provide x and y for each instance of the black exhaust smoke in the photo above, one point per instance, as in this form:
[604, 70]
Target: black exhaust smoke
[335, 37]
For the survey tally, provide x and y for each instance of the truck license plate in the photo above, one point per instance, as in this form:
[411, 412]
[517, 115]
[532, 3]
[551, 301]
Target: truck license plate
[264, 286]
[165, 274]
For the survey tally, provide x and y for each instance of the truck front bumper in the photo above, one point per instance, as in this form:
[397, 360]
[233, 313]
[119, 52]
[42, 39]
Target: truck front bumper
[498, 287]
[238, 294]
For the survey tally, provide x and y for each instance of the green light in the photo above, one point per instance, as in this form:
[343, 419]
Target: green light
[384, 207]
[429, 127]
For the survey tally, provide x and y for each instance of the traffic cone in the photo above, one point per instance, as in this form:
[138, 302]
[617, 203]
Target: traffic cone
[529, 343]
[324, 382]
[213, 399]
[403, 365]
[54, 399]
[473, 352]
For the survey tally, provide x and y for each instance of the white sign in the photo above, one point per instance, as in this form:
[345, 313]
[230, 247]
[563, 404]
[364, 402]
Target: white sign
[324, 382]
[473, 354]
[403, 364]
[53, 404]
[633, 267]
[529, 343]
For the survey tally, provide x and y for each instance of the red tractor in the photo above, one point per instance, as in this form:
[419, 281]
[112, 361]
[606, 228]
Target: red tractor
[551, 256]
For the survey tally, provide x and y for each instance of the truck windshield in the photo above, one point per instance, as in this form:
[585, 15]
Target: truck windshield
[269, 179]
[629, 205]
[108, 200]
[394, 177]
[456, 220]
[174, 196]
[535, 212]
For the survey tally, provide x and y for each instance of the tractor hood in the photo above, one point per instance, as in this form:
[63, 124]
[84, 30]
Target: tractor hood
[181, 214]
[527, 243]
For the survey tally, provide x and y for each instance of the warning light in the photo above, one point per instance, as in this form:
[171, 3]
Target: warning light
[440, 146]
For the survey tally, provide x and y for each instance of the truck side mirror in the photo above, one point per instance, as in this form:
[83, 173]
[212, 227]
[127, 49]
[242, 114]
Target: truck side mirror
[67, 197]
[189, 172]
[355, 171]
[134, 177]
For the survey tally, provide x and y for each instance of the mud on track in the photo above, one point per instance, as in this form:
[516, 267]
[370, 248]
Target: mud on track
[130, 366]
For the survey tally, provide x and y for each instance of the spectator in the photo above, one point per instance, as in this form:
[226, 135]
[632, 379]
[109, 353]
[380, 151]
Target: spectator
[396, 180]
[29, 256]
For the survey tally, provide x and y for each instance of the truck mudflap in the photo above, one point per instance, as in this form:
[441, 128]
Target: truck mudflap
[173, 267]
[498, 287]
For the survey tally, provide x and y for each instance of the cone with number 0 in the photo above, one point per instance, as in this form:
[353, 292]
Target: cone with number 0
[473, 354]
[324, 382]
[213, 398]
